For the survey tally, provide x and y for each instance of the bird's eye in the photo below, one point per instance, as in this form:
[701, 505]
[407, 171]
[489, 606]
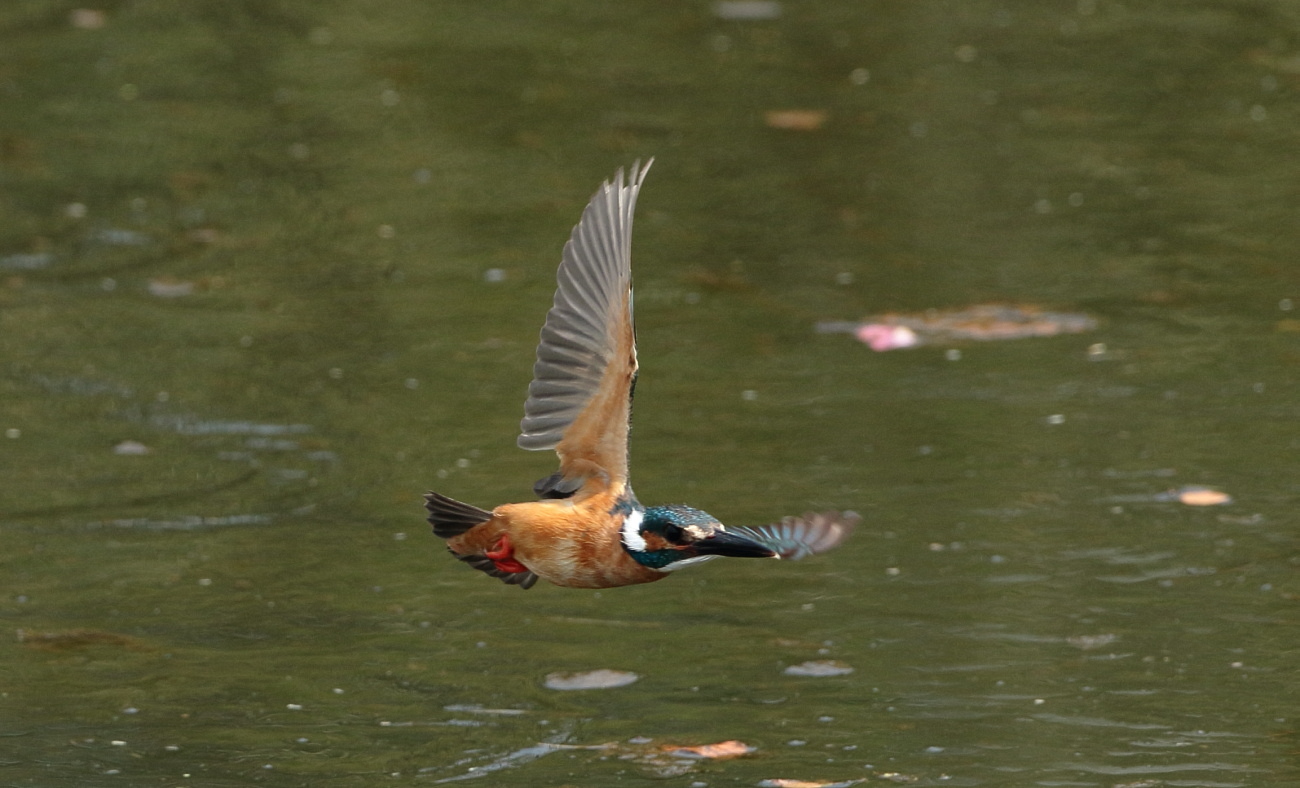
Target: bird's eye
[675, 534]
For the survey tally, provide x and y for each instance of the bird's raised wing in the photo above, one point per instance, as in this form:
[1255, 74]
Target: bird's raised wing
[579, 402]
[796, 537]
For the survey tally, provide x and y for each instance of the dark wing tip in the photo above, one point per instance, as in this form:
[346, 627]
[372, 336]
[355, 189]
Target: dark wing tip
[808, 534]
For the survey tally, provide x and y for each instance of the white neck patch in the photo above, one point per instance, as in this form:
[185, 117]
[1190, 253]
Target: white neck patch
[632, 538]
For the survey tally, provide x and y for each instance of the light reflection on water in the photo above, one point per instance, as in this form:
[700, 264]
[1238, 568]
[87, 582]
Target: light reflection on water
[295, 264]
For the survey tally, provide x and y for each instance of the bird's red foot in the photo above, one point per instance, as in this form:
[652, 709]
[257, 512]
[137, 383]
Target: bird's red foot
[503, 555]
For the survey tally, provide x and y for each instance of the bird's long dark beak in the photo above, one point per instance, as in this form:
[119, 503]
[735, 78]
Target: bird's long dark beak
[733, 546]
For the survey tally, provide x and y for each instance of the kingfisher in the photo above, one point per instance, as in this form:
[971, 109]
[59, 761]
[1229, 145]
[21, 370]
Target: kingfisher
[587, 529]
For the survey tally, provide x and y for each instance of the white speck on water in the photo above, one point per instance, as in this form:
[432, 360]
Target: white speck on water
[293, 706]
[462, 463]
[131, 448]
[1039, 701]
[442, 473]
[118, 743]
[933, 750]
[399, 537]
[1286, 305]
[860, 76]
[825, 718]
[336, 373]
[130, 710]
[952, 354]
[819, 668]
[893, 571]
[592, 679]
[171, 748]
[844, 278]
[494, 275]
[997, 559]
[412, 383]
[302, 740]
[13, 433]
[205, 581]
[796, 743]
[338, 691]
[749, 395]
[108, 284]
[387, 231]
[1056, 418]
[75, 210]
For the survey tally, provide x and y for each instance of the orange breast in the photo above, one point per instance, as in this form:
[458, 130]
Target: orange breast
[574, 545]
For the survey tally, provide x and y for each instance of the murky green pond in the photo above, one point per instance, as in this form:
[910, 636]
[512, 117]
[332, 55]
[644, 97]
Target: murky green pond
[270, 269]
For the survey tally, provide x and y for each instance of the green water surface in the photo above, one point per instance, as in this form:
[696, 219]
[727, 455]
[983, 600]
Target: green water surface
[270, 269]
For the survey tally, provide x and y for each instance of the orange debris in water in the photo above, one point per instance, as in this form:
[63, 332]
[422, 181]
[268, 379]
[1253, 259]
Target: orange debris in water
[1203, 496]
[795, 119]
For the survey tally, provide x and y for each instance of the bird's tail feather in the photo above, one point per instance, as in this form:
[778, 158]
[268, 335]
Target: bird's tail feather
[451, 517]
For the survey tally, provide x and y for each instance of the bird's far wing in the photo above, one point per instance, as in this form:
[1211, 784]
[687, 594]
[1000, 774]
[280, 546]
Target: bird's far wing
[796, 537]
[579, 402]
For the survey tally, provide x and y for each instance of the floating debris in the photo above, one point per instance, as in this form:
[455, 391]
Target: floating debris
[87, 18]
[78, 638]
[1192, 495]
[721, 751]
[819, 668]
[592, 679]
[981, 323]
[166, 287]
[795, 119]
[747, 10]
[778, 783]
[1089, 642]
[1188, 495]
[131, 448]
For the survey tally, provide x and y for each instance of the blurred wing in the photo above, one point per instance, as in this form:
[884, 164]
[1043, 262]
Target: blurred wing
[579, 402]
[796, 537]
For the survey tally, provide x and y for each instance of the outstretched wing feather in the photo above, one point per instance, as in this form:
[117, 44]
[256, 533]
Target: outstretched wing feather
[578, 402]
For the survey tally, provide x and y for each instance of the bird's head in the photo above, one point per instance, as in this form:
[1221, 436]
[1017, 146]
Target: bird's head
[670, 537]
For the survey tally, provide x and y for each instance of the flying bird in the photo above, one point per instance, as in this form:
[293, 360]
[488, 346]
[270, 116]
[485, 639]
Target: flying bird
[588, 530]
